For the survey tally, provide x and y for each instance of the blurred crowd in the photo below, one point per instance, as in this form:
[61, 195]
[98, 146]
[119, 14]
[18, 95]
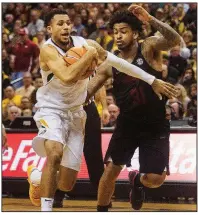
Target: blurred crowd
[23, 33]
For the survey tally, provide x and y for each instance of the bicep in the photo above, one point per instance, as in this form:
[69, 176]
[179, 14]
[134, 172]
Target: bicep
[53, 60]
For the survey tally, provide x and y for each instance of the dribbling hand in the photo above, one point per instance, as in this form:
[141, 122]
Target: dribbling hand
[163, 88]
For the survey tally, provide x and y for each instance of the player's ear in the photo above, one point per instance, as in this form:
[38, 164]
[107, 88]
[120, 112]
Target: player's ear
[49, 29]
[135, 35]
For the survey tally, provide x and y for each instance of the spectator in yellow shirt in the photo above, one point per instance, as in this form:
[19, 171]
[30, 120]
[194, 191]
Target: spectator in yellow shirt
[11, 96]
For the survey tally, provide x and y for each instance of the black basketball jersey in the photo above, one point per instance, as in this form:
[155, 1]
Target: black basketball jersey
[135, 98]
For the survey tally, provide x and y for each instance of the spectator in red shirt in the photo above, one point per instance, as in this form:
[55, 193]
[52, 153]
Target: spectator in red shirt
[25, 58]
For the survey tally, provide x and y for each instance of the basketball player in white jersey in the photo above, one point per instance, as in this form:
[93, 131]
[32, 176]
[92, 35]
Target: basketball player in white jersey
[60, 116]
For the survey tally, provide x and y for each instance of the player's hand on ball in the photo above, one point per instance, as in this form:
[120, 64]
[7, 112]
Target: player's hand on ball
[92, 50]
[140, 13]
[163, 88]
[101, 52]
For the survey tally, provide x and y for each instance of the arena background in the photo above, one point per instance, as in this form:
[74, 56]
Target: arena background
[91, 21]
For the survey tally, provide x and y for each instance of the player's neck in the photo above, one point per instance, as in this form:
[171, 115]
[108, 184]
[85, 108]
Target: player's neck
[63, 46]
[130, 51]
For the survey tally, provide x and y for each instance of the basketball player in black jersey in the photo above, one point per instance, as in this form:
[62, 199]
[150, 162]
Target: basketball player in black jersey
[141, 122]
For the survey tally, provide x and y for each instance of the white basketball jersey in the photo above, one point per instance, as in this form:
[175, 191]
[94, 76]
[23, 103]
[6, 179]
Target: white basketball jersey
[55, 93]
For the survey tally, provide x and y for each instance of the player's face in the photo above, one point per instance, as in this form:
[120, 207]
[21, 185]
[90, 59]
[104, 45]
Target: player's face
[123, 35]
[60, 28]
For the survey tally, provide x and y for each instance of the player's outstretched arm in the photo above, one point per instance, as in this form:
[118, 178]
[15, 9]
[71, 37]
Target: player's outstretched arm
[169, 38]
[159, 87]
[51, 60]
[121, 64]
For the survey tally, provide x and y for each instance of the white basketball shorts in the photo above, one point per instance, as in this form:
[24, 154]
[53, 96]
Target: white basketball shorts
[66, 127]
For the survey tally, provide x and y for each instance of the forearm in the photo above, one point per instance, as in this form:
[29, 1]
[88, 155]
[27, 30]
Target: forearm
[129, 69]
[172, 37]
[81, 66]
[94, 85]
[102, 97]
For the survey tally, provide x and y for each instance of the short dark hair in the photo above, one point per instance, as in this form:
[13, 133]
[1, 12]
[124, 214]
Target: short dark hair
[126, 17]
[51, 14]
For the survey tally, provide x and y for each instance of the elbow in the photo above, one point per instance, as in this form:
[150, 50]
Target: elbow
[69, 79]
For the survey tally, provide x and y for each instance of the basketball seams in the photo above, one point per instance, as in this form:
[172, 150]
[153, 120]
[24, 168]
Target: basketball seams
[75, 53]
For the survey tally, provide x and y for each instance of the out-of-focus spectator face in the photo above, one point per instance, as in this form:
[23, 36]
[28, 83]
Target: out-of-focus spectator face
[187, 36]
[25, 103]
[114, 112]
[175, 51]
[188, 74]
[4, 54]
[18, 23]
[72, 12]
[27, 80]
[78, 7]
[13, 113]
[11, 6]
[40, 35]
[27, 112]
[193, 90]
[60, 7]
[16, 29]
[146, 7]
[21, 6]
[77, 21]
[159, 14]
[110, 7]
[107, 14]
[95, 10]
[110, 100]
[179, 90]
[103, 31]
[5, 38]
[34, 15]
[116, 6]
[84, 14]
[38, 83]
[9, 92]
[9, 18]
[60, 33]
[99, 23]
[90, 21]
[166, 8]
[180, 9]
[84, 33]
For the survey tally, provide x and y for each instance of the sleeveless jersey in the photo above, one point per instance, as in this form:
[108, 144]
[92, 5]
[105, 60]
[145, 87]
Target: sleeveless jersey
[56, 94]
[135, 98]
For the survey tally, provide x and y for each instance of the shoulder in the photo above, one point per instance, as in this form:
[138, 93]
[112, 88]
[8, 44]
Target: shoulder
[5, 101]
[19, 89]
[48, 49]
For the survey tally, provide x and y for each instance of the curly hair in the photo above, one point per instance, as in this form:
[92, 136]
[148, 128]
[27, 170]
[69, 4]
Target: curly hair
[51, 14]
[126, 17]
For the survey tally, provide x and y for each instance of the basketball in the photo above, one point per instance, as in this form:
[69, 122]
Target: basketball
[74, 54]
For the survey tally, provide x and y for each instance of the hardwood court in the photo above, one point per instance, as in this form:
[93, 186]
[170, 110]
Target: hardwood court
[14, 204]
